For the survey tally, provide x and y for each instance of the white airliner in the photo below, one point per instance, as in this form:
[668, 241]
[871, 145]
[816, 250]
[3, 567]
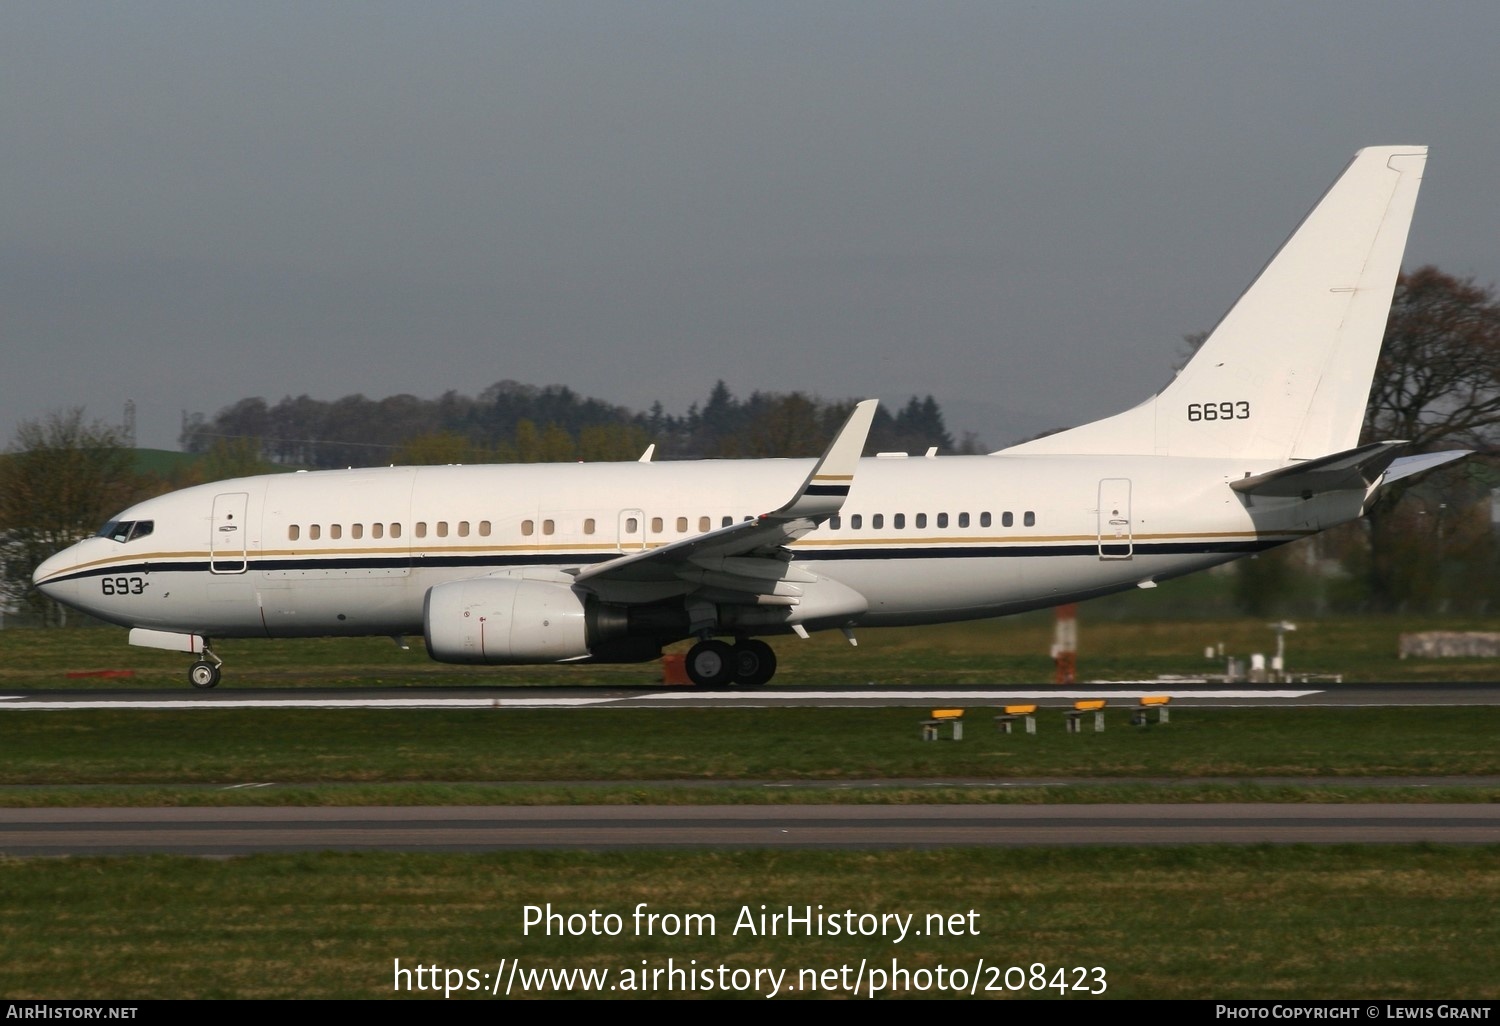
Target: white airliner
[1253, 444]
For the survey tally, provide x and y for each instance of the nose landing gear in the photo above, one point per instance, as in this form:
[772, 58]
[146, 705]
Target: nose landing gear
[205, 674]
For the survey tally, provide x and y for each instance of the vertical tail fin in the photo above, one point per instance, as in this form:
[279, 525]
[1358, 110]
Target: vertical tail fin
[1286, 374]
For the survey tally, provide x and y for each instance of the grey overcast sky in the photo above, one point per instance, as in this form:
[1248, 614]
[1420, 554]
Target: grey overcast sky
[1019, 208]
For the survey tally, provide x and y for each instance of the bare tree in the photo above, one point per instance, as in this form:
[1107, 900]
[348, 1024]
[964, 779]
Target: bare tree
[1438, 381]
[1438, 386]
[61, 478]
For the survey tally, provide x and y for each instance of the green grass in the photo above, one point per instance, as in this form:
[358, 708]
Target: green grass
[1359, 923]
[1013, 650]
[996, 792]
[1356, 923]
[309, 746]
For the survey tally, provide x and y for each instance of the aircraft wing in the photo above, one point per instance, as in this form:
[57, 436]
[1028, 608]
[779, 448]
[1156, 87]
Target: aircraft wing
[748, 558]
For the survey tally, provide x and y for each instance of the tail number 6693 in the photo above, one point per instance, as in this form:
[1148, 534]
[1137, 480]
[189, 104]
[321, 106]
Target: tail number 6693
[1219, 411]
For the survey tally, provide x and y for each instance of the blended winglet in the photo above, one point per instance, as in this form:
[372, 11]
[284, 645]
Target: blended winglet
[823, 492]
[821, 495]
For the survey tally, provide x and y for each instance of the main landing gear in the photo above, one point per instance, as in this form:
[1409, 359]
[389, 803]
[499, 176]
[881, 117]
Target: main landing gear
[204, 674]
[749, 662]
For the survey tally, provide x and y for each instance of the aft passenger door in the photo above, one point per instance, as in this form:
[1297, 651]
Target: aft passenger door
[1116, 540]
[228, 533]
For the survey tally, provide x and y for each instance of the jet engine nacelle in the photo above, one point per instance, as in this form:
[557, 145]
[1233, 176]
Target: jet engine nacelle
[505, 620]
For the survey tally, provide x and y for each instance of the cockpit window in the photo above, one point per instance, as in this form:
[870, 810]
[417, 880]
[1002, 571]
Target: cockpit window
[127, 530]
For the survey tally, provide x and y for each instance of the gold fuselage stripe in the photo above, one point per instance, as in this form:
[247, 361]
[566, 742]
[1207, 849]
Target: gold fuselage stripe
[936, 543]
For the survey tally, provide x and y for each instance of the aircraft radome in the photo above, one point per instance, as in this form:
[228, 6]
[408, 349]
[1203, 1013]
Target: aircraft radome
[1252, 445]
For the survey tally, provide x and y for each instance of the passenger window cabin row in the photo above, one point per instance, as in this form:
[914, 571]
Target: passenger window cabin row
[335, 532]
[919, 521]
[632, 525]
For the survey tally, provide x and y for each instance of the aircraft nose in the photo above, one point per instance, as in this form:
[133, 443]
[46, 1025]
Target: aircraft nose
[51, 577]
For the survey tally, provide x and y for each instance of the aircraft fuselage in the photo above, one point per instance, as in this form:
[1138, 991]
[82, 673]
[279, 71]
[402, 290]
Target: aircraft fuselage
[922, 539]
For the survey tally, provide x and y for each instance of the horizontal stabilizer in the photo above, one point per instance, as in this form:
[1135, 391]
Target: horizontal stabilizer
[1406, 466]
[1354, 470]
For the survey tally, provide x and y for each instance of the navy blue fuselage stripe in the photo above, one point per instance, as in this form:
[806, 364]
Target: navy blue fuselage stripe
[488, 561]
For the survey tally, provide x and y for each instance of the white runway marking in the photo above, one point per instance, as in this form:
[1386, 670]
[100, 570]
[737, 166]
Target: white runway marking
[742, 698]
[321, 703]
[972, 697]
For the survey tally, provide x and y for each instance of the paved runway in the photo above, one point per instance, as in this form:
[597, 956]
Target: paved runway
[242, 831]
[238, 831]
[867, 696]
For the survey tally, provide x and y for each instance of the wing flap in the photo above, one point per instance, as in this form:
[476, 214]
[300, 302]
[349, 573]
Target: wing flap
[734, 582]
